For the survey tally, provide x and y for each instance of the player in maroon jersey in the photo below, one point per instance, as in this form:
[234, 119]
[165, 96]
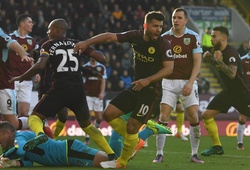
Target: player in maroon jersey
[95, 89]
[24, 89]
[67, 89]
[7, 93]
[245, 61]
[153, 61]
[182, 84]
[236, 88]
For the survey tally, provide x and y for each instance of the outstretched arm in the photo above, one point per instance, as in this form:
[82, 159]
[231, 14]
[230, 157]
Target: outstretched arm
[98, 39]
[20, 51]
[35, 69]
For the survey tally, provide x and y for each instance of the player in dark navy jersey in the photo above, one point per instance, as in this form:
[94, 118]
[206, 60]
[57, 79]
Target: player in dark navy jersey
[153, 61]
[236, 88]
[67, 89]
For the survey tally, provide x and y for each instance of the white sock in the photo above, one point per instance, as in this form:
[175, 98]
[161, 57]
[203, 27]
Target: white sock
[160, 142]
[25, 124]
[195, 133]
[240, 132]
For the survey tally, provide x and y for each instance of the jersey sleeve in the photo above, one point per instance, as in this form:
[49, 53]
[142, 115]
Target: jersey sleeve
[128, 36]
[5, 40]
[166, 50]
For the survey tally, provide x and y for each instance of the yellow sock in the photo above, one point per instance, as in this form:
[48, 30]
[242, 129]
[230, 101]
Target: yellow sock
[35, 124]
[59, 127]
[179, 121]
[129, 145]
[120, 126]
[98, 138]
[212, 130]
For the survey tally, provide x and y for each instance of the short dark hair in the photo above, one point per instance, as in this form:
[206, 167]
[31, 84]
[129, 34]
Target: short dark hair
[22, 17]
[181, 10]
[157, 15]
[222, 29]
[5, 125]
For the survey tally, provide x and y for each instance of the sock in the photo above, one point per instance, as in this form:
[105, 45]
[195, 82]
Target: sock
[59, 127]
[120, 126]
[179, 122]
[36, 124]
[130, 143]
[98, 138]
[195, 134]
[212, 130]
[145, 133]
[116, 142]
[160, 142]
[23, 123]
[240, 132]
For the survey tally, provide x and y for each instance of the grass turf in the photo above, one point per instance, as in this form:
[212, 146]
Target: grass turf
[177, 156]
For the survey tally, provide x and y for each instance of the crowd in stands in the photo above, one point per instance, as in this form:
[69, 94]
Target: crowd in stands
[90, 17]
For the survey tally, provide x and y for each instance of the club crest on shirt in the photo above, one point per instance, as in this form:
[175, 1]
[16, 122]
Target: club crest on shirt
[29, 41]
[151, 50]
[25, 47]
[186, 41]
[98, 69]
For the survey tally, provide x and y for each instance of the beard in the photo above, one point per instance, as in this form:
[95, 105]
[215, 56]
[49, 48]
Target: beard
[150, 35]
[217, 46]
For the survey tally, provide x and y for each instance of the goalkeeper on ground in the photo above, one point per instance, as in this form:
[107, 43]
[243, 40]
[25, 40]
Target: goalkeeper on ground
[48, 152]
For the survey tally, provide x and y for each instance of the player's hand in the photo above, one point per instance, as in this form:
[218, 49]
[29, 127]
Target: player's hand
[37, 78]
[187, 89]
[6, 163]
[27, 59]
[80, 47]
[139, 84]
[18, 78]
[96, 74]
[218, 55]
[207, 55]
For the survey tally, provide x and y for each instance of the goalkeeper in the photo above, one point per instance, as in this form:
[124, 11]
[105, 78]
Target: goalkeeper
[48, 152]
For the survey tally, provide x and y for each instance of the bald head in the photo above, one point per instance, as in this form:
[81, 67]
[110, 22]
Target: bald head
[60, 23]
[58, 28]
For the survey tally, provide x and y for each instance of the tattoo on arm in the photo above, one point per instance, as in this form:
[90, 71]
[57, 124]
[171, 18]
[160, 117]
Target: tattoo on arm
[230, 71]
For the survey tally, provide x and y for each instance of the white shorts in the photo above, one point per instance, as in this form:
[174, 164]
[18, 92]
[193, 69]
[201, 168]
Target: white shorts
[172, 92]
[95, 104]
[7, 102]
[23, 91]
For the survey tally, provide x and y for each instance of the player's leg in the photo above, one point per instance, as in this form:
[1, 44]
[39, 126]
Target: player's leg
[116, 140]
[8, 109]
[98, 110]
[48, 107]
[23, 91]
[83, 117]
[240, 131]
[165, 112]
[195, 132]
[212, 130]
[180, 121]
[61, 121]
[191, 104]
[217, 105]
[77, 152]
